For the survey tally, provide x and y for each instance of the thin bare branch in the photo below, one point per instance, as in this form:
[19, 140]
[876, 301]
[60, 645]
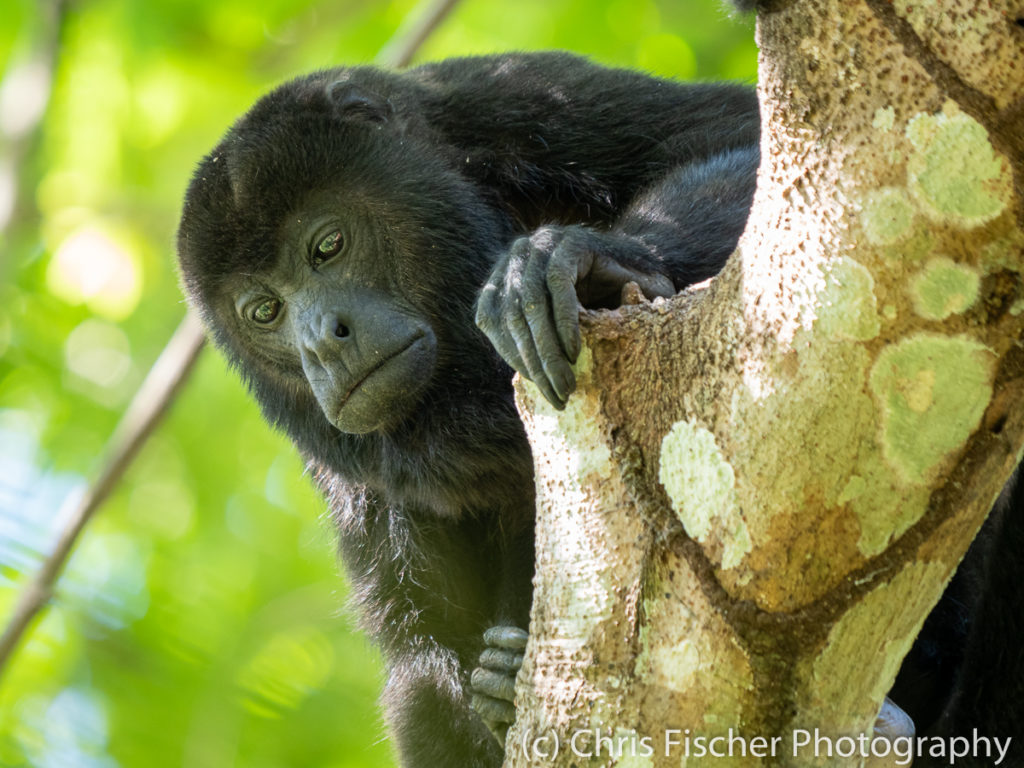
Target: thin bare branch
[150, 403]
[414, 32]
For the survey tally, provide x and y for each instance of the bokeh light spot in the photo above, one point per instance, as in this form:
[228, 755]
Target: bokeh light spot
[90, 267]
[98, 352]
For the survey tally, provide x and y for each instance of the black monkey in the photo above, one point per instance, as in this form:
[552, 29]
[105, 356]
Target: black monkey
[335, 242]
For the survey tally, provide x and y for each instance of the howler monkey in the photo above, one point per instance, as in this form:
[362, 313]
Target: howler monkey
[335, 243]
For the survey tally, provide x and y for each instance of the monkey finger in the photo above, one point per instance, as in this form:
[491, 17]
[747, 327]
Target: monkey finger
[495, 714]
[489, 319]
[506, 348]
[565, 306]
[493, 710]
[654, 285]
[526, 346]
[556, 368]
[537, 308]
[488, 312]
[501, 660]
[498, 685]
[502, 343]
[512, 638]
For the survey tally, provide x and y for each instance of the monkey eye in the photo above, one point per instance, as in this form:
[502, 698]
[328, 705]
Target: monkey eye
[327, 248]
[266, 311]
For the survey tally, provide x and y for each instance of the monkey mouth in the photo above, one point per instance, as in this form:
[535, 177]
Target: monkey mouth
[398, 376]
[377, 366]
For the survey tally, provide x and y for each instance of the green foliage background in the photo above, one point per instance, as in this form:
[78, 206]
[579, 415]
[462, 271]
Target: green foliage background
[200, 622]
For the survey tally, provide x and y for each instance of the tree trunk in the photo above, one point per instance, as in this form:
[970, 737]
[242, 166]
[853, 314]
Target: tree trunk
[761, 487]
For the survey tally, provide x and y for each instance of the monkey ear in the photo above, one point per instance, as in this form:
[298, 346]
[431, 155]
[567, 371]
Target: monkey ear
[351, 101]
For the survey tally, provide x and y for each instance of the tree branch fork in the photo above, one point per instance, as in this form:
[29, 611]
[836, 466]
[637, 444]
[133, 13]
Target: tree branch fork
[793, 459]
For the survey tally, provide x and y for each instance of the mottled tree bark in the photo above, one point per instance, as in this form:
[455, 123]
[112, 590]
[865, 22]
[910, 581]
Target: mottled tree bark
[761, 486]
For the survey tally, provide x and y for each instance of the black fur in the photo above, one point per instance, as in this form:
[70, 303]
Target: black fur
[372, 363]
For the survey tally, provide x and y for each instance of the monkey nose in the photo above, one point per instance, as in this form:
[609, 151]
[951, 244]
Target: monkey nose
[329, 327]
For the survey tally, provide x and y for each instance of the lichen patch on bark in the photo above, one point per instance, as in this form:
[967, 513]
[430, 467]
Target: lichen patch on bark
[931, 392]
[847, 308]
[954, 174]
[702, 487]
[943, 288]
[887, 216]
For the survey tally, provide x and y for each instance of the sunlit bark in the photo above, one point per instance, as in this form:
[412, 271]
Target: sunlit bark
[761, 487]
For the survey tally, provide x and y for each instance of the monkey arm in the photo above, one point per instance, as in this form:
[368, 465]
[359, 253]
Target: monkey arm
[678, 232]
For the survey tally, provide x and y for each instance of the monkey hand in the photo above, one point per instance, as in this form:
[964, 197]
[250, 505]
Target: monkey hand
[529, 307]
[493, 682]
